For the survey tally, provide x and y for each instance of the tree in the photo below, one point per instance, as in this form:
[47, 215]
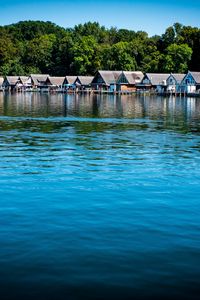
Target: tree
[12, 67]
[84, 55]
[7, 49]
[177, 58]
[152, 60]
[191, 36]
[62, 55]
[29, 30]
[43, 47]
[118, 57]
[39, 52]
[91, 29]
[172, 35]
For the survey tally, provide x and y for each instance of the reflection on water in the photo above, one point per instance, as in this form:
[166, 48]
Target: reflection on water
[99, 197]
[102, 106]
[172, 113]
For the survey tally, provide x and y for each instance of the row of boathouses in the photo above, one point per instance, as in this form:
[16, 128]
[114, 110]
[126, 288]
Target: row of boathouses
[106, 81]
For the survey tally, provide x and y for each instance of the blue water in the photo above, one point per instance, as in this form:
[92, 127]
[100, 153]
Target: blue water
[99, 197]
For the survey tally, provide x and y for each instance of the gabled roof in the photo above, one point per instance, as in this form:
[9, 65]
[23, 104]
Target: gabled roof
[37, 78]
[178, 77]
[156, 78]
[70, 79]
[108, 77]
[132, 77]
[196, 76]
[55, 80]
[12, 80]
[84, 80]
[24, 79]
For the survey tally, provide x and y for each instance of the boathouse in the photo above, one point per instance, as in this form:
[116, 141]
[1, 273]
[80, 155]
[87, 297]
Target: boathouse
[69, 83]
[83, 83]
[191, 82]
[38, 81]
[25, 83]
[174, 83]
[11, 83]
[128, 79]
[154, 81]
[105, 80]
[54, 83]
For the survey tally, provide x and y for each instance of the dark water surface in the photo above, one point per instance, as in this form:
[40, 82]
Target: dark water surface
[99, 197]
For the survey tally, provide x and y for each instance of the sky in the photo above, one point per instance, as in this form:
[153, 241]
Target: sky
[152, 16]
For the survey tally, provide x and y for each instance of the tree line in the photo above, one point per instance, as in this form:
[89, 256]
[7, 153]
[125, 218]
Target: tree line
[43, 47]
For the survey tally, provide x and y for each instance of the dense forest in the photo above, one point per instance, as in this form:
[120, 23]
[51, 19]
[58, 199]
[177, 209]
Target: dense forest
[43, 47]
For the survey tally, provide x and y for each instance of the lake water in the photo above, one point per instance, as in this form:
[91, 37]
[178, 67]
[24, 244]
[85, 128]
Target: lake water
[99, 197]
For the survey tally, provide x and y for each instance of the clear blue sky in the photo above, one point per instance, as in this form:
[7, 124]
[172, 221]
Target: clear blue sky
[152, 16]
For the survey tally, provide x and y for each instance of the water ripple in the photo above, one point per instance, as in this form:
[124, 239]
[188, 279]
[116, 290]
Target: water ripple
[99, 199]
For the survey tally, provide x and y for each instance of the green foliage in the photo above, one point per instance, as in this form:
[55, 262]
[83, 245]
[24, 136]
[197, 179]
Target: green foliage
[43, 47]
[28, 30]
[83, 53]
[191, 37]
[91, 29]
[172, 35]
[61, 55]
[176, 58]
[12, 67]
[39, 52]
[7, 49]
[118, 57]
